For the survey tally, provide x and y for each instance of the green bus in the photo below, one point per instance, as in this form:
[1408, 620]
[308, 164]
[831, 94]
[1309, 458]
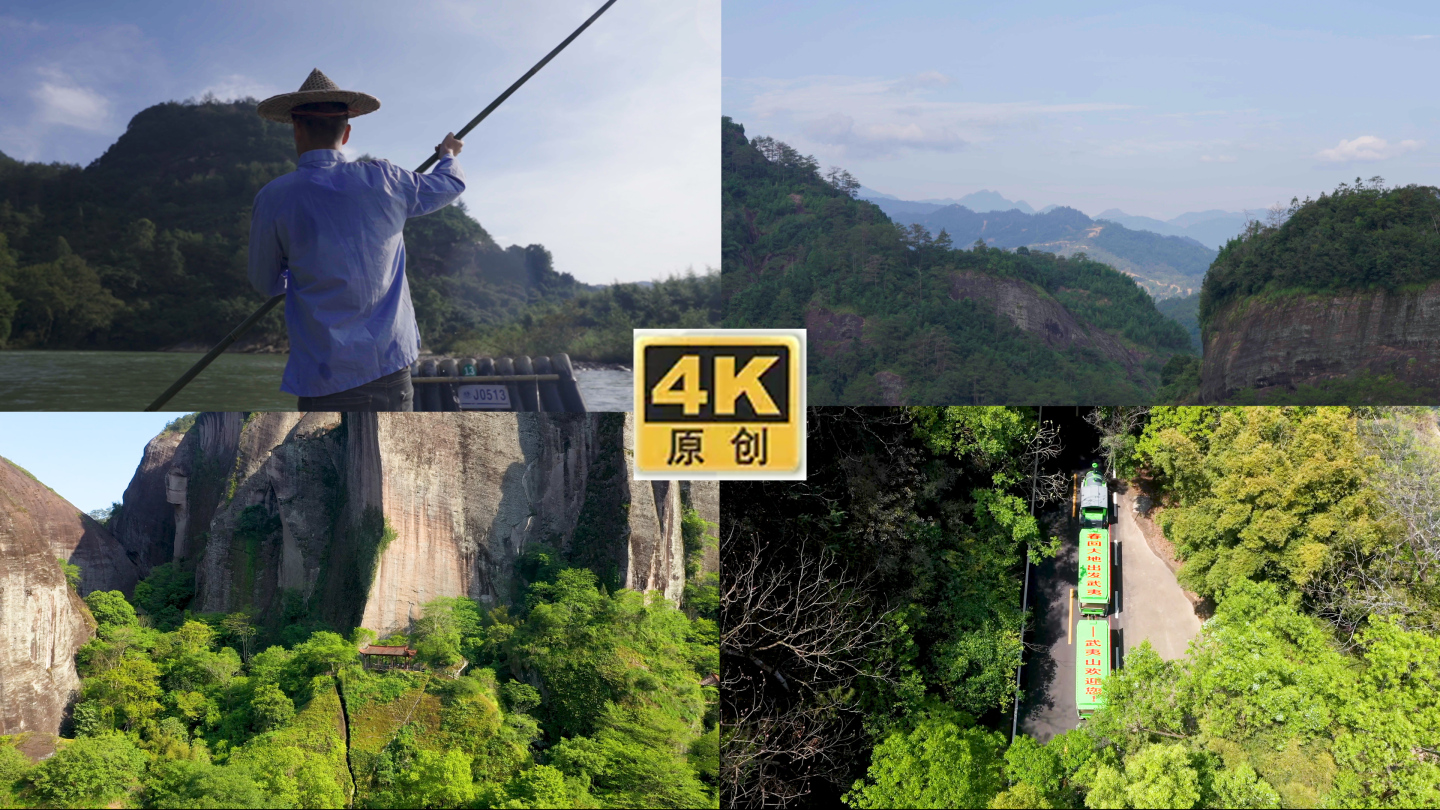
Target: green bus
[1094, 499]
[1092, 663]
[1094, 570]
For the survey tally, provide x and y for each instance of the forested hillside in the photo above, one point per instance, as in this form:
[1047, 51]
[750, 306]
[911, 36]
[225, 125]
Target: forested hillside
[577, 697]
[1360, 237]
[1184, 311]
[146, 247]
[899, 314]
[1316, 683]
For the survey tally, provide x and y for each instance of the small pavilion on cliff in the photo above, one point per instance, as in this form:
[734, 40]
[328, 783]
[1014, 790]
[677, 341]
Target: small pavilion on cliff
[380, 657]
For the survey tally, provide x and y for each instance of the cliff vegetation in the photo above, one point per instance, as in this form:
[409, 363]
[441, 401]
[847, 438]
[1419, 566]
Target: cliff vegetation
[598, 325]
[1362, 236]
[146, 247]
[578, 697]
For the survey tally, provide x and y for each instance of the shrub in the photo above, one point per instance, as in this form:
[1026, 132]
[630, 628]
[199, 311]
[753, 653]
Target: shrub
[92, 769]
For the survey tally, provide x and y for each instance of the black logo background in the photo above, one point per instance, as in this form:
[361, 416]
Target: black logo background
[776, 381]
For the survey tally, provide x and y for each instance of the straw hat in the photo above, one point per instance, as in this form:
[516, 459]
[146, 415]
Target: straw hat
[317, 87]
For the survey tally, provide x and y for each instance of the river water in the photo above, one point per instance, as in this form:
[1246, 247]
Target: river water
[128, 381]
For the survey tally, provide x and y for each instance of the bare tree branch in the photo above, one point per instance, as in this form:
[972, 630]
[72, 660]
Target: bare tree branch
[797, 632]
[1396, 575]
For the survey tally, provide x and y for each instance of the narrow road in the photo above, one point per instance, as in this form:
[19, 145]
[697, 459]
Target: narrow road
[1149, 606]
[1154, 607]
[1048, 706]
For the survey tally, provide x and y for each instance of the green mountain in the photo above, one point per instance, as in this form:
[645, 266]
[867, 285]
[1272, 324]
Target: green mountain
[898, 315]
[1362, 237]
[145, 248]
[1339, 302]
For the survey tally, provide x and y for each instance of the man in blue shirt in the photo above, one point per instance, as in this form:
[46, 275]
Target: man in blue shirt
[330, 236]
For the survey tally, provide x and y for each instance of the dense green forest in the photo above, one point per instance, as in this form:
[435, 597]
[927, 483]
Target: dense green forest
[1362, 236]
[1316, 682]
[575, 697]
[1186, 312]
[146, 247]
[797, 246]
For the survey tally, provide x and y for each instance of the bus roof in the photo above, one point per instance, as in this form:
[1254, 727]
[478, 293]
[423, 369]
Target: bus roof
[1094, 494]
[1092, 663]
[1094, 566]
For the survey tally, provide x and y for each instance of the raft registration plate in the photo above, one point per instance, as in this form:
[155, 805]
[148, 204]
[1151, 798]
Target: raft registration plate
[720, 403]
[484, 397]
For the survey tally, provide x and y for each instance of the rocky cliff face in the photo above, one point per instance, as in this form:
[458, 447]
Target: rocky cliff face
[43, 622]
[145, 513]
[32, 510]
[362, 519]
[704, 498]
[183, 477]
[1304, 340]
[1042, 316]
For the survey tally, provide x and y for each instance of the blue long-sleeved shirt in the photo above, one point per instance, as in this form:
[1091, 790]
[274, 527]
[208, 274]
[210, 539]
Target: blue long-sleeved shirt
[330, 236]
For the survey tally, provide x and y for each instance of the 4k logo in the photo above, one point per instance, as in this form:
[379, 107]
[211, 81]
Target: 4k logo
[725, 403]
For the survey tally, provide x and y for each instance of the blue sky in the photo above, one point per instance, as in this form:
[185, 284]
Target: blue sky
[607, 156]
[87, 458]
[1156, 109]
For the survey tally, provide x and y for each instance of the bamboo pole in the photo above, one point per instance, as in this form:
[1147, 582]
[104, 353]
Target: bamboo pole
[244, 327]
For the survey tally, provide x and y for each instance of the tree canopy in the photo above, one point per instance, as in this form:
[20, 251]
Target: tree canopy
[1358, 237]
[868, 634]
[579, 697]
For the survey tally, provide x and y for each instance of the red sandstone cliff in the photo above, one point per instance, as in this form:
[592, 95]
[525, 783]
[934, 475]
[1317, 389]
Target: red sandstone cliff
[33, 510]
[363, 520]
[42, 621]
[1283, 342]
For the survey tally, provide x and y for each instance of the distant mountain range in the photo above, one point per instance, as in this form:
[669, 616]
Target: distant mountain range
[1166, 266]
[1211, 228]
[981, 201]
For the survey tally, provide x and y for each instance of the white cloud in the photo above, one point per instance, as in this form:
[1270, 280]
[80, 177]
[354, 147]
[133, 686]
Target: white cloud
[69, 86]
[1217, 158]
[922, 81]
[59, 100]
[1366, 148]
[14, 24]
[868, 117]
[608, 156]
[235, 86]
[838, 129]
